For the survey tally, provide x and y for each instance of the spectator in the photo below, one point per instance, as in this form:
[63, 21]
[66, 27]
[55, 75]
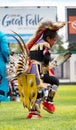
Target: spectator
[4, 56]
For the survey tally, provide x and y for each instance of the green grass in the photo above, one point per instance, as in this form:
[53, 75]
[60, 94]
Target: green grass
[12, 114]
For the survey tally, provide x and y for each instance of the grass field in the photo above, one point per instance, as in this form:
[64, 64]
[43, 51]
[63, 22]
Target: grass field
[12, 114]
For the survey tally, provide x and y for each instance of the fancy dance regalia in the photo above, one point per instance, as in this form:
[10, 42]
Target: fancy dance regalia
[39, 53]
[33, 71]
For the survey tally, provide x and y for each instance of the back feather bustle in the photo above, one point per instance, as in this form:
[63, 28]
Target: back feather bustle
[18, 63]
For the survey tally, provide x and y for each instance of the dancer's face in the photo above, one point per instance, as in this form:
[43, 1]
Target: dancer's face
[51, 41]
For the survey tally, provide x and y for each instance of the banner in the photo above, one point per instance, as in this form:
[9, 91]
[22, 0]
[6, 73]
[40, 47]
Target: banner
[24, 20]
[71, 16]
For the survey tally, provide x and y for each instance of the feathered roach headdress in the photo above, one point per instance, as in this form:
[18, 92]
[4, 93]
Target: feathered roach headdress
[41, 28]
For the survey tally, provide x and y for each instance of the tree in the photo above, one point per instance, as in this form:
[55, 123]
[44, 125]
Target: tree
[59, 45]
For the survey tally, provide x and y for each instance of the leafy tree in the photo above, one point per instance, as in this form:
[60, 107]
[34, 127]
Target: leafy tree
[59, 45]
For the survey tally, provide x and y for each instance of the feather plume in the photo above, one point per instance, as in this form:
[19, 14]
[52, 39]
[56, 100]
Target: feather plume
[18, 63]
[47, 23]
[22, 44]
[21, 47]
